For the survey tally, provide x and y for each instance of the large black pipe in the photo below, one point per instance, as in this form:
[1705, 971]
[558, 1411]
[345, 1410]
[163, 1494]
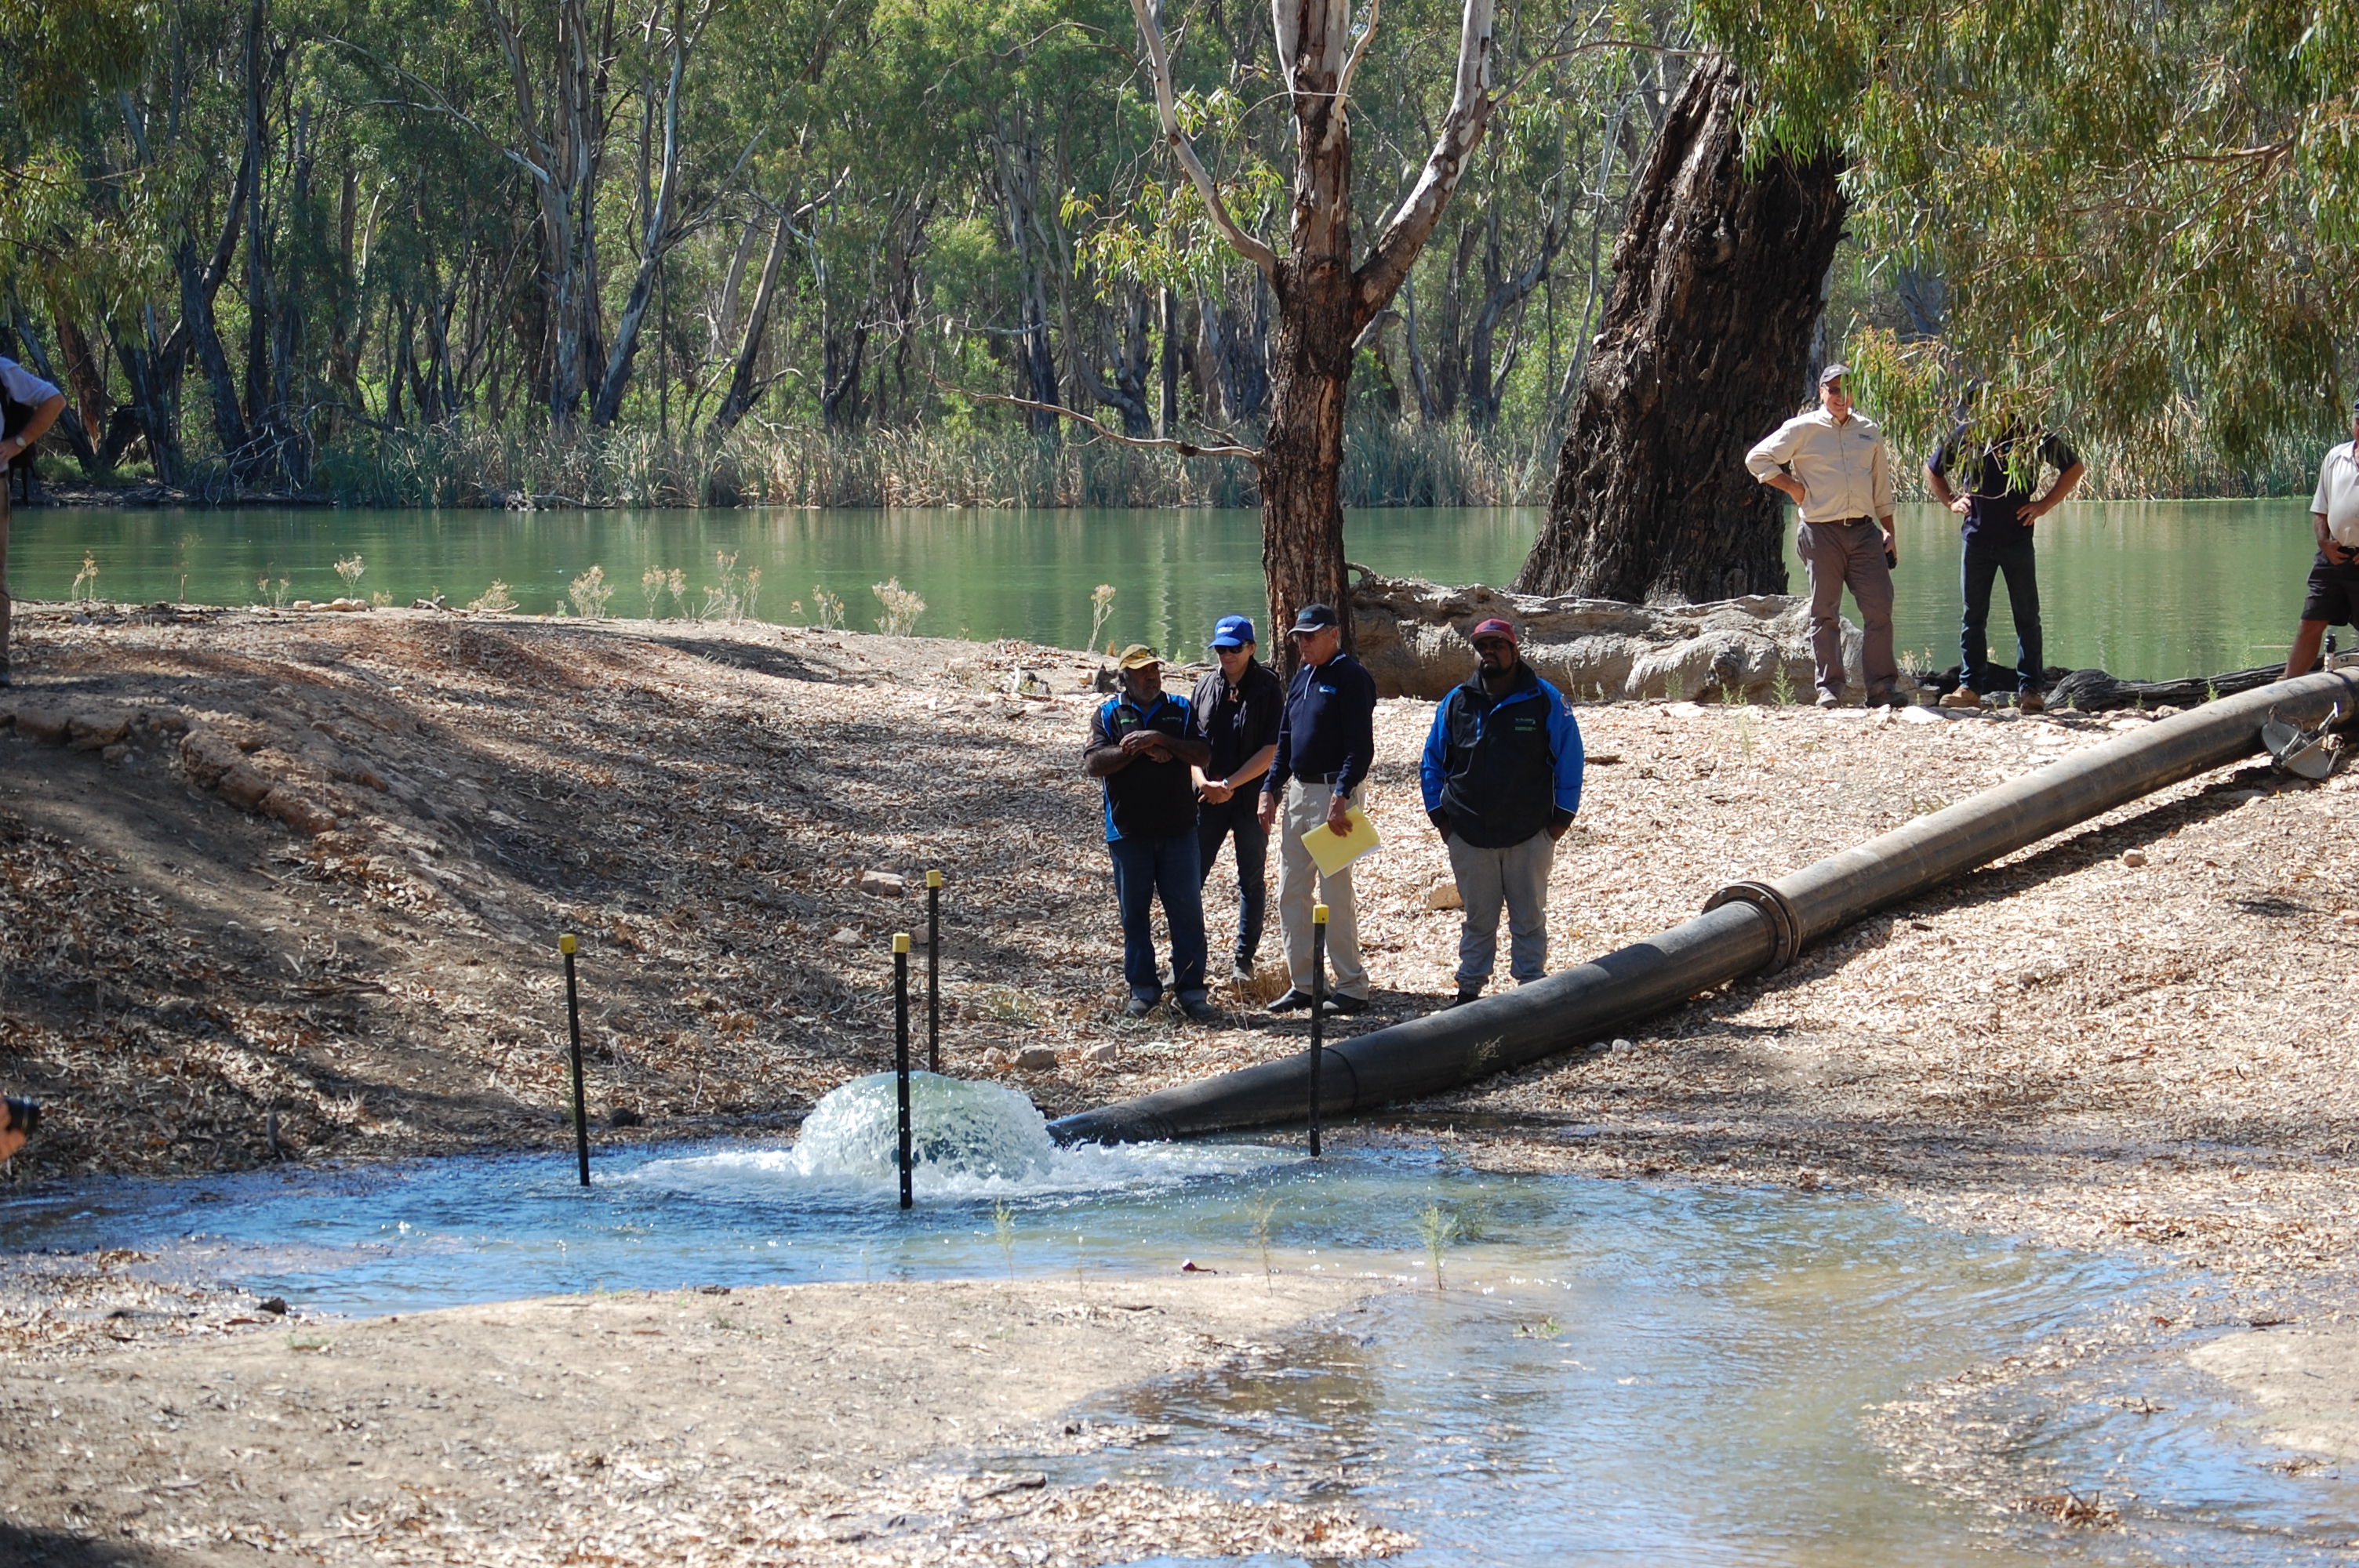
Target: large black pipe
[1747, 927]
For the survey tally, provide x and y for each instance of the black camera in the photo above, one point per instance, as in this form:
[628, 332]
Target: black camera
[23, 1116]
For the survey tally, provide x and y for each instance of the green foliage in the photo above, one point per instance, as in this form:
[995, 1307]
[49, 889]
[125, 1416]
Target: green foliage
[2144, 213]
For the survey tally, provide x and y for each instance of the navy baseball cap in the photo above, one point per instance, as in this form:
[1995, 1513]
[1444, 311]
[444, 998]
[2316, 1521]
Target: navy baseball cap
[1233, 632]
[1314, 618]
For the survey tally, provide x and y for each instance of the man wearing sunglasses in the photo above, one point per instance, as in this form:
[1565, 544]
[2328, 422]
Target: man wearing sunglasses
[1833, 463]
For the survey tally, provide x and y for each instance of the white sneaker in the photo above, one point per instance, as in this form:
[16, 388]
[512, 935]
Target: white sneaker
[1963, 698]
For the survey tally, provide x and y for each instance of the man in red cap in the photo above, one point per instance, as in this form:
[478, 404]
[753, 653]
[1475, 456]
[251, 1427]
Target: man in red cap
[1502, 777]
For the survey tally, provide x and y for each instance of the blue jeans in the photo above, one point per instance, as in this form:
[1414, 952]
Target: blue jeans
[1145, 869]
[1982, 564]
[1238, 815]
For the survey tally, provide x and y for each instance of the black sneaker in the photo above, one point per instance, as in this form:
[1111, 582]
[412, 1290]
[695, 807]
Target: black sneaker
[1138, 1007]
[1345, 1006]
[1464, 996]
[1200, 1011]
[1292, 1001]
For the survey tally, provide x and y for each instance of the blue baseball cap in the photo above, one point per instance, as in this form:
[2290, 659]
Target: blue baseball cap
[1233, 632]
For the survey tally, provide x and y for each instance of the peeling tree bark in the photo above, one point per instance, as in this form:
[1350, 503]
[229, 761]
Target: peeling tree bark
[1704, 348]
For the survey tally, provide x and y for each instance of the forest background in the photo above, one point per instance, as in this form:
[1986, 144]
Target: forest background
[388, 252]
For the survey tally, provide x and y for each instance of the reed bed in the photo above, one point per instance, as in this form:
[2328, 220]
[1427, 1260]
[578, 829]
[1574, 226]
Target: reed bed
[772, 465]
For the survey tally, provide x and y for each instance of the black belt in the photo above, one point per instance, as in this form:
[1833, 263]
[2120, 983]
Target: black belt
[1842, 522]
[1315, 778]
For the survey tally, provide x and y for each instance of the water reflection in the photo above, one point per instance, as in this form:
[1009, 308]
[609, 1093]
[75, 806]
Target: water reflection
[2153, 589]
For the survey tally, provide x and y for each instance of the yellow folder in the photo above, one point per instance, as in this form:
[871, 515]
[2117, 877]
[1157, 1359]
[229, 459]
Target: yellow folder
[1332, 851]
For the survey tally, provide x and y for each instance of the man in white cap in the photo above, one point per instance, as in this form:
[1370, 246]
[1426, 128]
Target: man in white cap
[1833, 463]
[2332, 598]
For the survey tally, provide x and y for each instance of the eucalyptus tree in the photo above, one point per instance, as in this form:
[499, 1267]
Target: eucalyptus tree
[1324, 300]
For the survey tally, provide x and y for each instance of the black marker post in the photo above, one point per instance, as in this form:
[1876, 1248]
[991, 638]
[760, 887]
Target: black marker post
[1318, 1012]
[566, 944]
[901, 1052]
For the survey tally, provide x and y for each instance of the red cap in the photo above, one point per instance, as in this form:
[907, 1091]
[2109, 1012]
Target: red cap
[1495, 627]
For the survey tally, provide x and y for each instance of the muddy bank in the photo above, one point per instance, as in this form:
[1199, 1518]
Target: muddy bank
[823, 1423]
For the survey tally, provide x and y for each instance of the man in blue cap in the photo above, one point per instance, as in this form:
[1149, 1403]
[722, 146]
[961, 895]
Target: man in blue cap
[1144, 748]
[1236, 708]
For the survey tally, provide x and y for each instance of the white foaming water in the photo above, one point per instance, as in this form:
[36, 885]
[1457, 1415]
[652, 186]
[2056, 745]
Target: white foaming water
[967, 1141]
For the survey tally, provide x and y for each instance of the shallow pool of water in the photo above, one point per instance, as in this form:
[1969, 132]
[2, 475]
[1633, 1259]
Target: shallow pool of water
[1614, 1372]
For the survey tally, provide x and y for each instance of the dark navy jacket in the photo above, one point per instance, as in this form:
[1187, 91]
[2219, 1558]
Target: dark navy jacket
[1329, 726]
[1503, 769]
[1147, 799]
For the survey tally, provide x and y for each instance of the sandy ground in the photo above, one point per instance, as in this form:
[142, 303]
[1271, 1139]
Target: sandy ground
[821, 1423]
[303, 903]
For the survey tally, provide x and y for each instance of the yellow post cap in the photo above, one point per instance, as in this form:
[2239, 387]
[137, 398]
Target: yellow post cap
[1318, 915]
[566, 944]
[900, 941]
[933, 879]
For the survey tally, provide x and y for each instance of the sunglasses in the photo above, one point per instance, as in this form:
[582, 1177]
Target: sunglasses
[1491, 644]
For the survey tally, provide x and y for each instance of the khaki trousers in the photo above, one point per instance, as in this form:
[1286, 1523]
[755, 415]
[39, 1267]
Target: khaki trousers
[1851, 555]
[1304, 808]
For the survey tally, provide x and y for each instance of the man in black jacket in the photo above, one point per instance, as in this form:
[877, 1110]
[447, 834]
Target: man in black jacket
[1236, 709]
[1325, 743]
[1502, 779]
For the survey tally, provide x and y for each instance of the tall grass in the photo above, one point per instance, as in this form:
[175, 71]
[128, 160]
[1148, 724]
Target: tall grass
[1385, 464]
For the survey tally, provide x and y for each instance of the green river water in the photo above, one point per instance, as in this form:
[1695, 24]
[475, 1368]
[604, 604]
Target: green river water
[2149, 589]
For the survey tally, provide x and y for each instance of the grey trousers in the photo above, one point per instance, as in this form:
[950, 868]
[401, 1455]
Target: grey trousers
[1849, 555]
[1304, 808]
[1516, 876]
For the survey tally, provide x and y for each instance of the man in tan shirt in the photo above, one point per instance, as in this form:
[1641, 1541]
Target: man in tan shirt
[1833, 462]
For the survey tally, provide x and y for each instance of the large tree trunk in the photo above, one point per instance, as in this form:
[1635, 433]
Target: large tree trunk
[1705, 348]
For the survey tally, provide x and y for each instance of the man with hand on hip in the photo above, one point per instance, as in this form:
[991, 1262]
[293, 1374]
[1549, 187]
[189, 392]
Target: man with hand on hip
[1833, 463]
[1236, 710]
[2332, 598]
[1143, 748]
[1502, 777]
[1999, 510]
[1326, 740]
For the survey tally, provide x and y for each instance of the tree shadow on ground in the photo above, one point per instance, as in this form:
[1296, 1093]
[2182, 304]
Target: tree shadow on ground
[51, 1549]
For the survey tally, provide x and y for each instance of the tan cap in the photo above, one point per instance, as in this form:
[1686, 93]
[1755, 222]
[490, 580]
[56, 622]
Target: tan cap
[1137, 656]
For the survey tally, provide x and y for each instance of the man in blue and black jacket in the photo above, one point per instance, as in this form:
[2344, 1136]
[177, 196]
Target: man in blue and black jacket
[1502, 775]
[1142, 746]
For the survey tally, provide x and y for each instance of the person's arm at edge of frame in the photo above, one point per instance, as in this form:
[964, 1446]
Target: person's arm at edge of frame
[1564, 747]
[1765, 460]
[45, 416]
[1433, 766]
[1103, 755]
[1353, 772]
[1281, 765]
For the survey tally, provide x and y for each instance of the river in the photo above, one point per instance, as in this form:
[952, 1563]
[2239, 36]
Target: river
[2149, 589]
